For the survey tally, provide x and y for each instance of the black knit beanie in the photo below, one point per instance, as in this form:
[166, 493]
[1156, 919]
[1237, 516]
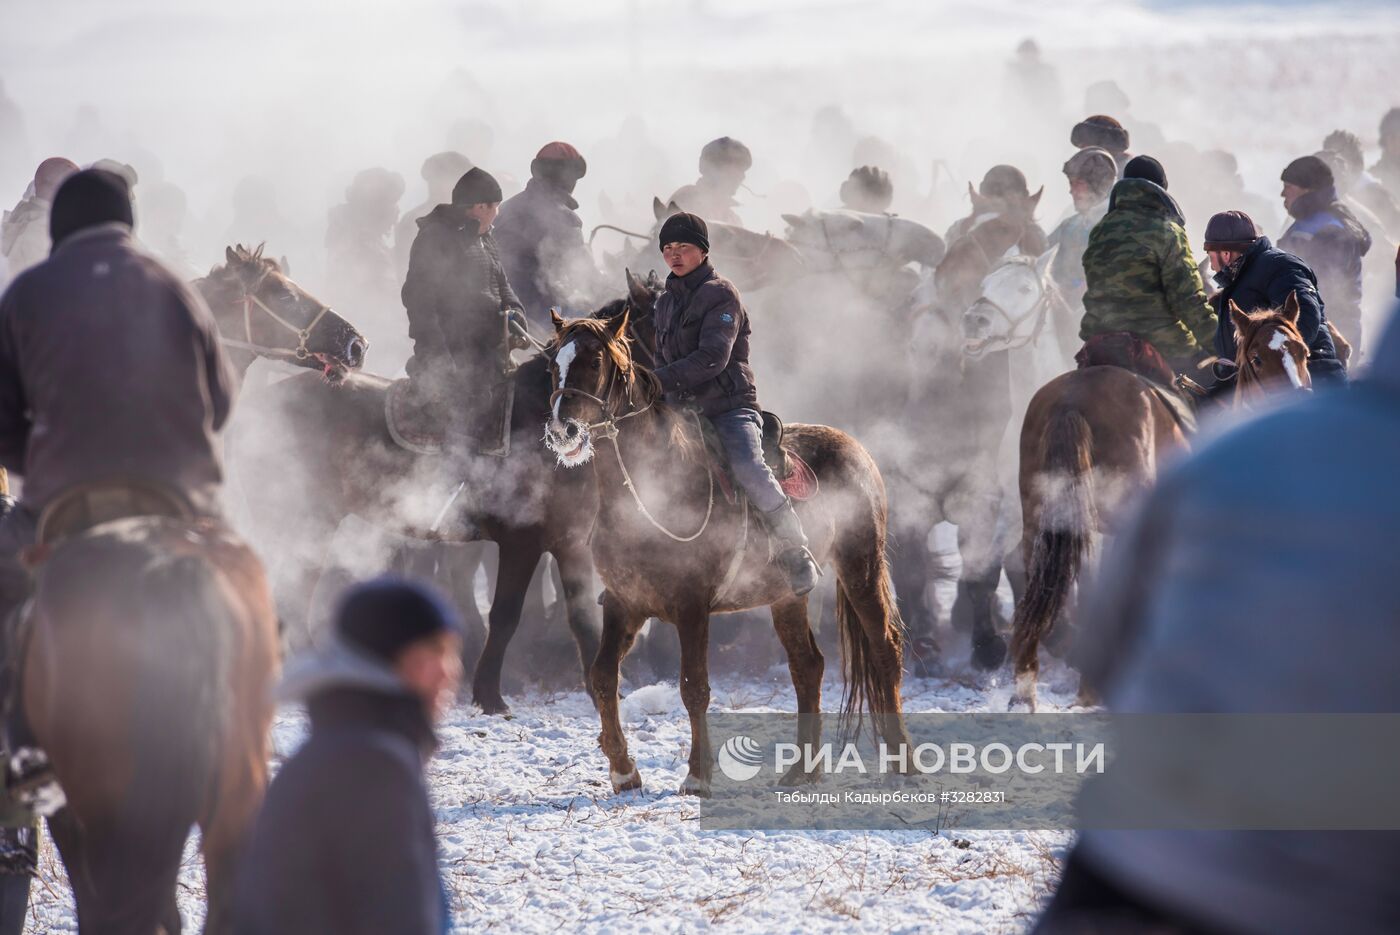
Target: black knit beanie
[1147, 168]
[1308, 172]
[86, 199]
[686, 228]
[384, 616]
[477, 187]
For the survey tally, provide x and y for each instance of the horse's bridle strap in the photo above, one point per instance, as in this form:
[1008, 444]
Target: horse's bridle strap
[300, 352]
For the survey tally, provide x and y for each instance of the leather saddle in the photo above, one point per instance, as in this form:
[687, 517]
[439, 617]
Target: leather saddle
[84, 507]
[420, 425]
[794, 475]
[1131, 352]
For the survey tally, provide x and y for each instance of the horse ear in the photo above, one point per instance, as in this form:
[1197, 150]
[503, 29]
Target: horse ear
[637, 289]
[672, 208]
[657, 208]
[284, 265]
[1291, 309]
[1035, 199]
[257, 254]
[557, 319]
[1238, 316]
[617, 325]
[653, 280]
[979, 204]
[229, 255]
[1045, 261]
[792, 220]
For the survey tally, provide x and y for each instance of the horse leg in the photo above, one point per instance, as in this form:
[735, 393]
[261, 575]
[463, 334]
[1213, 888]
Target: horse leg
[693, 625]
[577, 589]
[620, 626]
[980, 546]
[519, 556]
[910, 571]
[806, 665]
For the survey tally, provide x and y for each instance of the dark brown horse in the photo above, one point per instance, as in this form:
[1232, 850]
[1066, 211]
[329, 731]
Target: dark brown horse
[668, 546]
[348, 464]
[147, 679]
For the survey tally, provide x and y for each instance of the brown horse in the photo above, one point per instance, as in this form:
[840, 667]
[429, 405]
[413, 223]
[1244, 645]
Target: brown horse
[350, 465]
[261, 312]
[703, 555]
[147, 679]
[1091, 438]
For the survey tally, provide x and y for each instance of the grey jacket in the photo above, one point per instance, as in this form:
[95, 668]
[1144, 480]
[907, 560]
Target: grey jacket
[702, 343]
[110, 368]
[1259, 576]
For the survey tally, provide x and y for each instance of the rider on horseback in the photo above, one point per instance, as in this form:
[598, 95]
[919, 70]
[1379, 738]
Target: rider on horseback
[460, 312]
[702, 347]
[113, 388]
[1142, 283]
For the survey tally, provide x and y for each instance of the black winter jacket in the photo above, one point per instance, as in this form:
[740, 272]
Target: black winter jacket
[702, 343]
[1264, 280]
[456, 293]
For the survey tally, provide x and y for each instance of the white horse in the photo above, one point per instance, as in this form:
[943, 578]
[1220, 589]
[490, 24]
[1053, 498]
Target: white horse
[851, 241]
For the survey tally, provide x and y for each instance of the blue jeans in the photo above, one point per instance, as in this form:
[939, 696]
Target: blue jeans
[741, 433]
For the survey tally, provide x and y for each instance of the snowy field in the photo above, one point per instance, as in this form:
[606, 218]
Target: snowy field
[532, 840]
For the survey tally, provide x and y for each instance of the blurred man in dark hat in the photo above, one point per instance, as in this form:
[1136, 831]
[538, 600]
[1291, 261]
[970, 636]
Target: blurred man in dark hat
[541, 238]
[1327, 236]
[723, 165]
[345, 840]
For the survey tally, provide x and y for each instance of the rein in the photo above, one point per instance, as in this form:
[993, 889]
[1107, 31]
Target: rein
[607, 428]
[300, 352]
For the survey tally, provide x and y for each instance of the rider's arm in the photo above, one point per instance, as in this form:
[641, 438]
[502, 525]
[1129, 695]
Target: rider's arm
[718, 330]
[1296, 281]
[14, 415]
[1185, 293]
[220, 382]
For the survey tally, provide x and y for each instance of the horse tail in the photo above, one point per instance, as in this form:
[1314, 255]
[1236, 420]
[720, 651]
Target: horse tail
[186, 627]
[871, 677]
[1067, 517]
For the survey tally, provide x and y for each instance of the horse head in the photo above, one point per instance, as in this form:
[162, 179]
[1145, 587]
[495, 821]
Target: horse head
[1012, 307]
[259, 309]
[598, 368]
[1270, 352]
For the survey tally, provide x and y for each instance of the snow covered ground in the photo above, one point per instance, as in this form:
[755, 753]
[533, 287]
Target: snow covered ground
[532, 839]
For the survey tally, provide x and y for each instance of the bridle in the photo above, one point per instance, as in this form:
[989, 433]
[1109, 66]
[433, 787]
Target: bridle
[300, 352]
[606, 427]
[1039, 313]
[1248, 372]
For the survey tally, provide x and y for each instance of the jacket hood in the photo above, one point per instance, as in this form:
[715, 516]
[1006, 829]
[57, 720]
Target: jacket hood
[336, 665]
[1146, 197]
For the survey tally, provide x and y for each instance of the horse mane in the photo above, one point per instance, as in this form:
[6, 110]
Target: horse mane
[638, 386]
[222, 276]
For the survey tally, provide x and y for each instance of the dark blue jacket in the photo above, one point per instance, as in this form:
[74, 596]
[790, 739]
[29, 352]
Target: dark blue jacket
[1327, 237]
[1264, 280]
[345, 840]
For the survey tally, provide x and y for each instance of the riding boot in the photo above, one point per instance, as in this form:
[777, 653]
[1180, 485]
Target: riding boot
[793, 555]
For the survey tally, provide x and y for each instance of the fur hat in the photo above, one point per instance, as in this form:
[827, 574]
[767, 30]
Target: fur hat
[556, 159]
[725, 152]
[1100, 130]
[1094, 165]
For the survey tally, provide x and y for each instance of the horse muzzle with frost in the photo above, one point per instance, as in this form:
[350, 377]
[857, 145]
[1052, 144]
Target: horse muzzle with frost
[1011, 310]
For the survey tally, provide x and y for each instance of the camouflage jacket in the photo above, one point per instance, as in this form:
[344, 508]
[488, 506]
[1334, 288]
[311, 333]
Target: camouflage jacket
[1140, 275]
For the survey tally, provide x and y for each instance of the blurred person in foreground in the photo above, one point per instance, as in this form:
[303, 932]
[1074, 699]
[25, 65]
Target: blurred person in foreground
[1257, 577]
[24, 230]
[344, 842]
[1256, 276]
[1327, 236]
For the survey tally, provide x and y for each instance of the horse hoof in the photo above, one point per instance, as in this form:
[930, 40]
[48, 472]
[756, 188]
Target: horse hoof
[989, 654]
[625, 782]
[495, 705]
[693, 785]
